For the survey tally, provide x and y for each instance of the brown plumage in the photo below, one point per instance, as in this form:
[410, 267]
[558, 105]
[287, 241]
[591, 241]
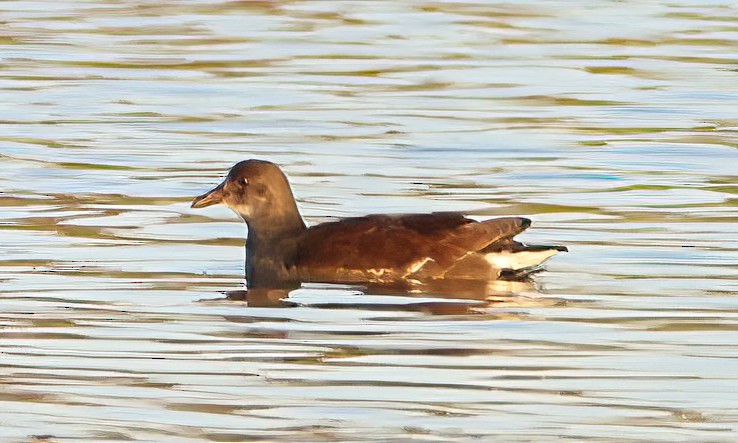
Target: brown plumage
[282, 252]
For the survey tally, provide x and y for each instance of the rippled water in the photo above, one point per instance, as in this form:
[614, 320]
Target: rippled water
[612, 124]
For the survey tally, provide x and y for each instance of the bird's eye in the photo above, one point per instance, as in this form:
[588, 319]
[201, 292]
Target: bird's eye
[245, 182]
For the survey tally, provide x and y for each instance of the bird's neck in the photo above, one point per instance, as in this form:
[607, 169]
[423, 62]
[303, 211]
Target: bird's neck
[270, 250]
[275, 227]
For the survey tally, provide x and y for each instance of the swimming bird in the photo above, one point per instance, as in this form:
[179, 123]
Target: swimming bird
[281, 251]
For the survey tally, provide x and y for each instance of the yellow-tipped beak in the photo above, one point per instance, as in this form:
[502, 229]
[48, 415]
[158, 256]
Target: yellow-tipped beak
[212, 197]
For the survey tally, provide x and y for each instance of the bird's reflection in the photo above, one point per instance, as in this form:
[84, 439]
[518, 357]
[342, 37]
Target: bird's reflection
[262, 297]
[484, 292]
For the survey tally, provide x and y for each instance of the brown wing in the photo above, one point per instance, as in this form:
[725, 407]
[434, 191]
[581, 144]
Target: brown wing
[477, 236]
[395, 243]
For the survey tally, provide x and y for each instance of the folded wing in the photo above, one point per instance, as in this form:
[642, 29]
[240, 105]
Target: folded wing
[388, 247]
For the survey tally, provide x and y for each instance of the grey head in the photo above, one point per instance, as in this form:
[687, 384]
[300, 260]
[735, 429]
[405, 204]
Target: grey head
[258, 191]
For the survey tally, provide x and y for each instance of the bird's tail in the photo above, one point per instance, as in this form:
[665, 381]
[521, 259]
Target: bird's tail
[517, 260]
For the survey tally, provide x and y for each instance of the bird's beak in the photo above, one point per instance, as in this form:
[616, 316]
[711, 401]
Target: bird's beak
[212, 197]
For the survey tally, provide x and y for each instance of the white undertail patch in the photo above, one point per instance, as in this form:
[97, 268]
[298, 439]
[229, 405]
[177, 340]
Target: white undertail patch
[518, 260]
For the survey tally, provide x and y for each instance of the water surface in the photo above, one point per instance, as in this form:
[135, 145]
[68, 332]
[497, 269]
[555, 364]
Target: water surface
[611, 124]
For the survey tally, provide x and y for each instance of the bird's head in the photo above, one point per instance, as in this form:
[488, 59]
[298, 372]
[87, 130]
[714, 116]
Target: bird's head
[256, 190]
